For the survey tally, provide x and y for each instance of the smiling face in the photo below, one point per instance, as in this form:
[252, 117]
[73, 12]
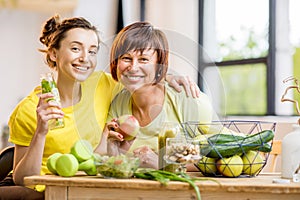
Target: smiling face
[135, 48]
[137, 69]
[76, 58]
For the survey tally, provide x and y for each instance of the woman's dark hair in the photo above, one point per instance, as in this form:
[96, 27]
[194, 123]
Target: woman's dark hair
[54, 31]
[140, 36]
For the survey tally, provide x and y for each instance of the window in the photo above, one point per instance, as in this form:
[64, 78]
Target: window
[242, 32]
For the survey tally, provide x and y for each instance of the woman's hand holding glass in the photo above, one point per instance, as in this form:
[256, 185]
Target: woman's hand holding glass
[47, 110]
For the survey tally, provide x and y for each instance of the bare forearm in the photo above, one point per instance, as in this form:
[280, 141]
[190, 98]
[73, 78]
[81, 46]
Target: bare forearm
[30, 163]
[101, 148]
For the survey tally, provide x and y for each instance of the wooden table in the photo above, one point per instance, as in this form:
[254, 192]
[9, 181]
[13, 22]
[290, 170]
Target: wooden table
[96, 187]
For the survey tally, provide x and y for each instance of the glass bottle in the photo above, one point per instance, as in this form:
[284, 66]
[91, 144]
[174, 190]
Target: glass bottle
[290, 153]
[169, 130]
[48, 85]
[182, 151]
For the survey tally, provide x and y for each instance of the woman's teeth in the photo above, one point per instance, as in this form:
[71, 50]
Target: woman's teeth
[133, 77]
[82, 68]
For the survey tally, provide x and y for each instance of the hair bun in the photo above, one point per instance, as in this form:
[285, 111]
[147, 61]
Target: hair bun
[49, 28]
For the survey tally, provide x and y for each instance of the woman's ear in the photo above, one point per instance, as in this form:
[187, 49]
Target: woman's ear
[52, 55]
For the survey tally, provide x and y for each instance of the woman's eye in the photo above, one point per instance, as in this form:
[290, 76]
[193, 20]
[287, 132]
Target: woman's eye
[75, 49]
[144, 60]
[126, 59]
[93, 52]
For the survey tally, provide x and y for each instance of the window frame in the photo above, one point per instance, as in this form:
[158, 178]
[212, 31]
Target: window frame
[269, 60]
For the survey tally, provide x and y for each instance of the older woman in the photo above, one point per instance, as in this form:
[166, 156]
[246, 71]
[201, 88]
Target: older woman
[139, 61]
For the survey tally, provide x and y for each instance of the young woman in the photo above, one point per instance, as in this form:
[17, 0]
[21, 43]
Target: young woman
[71, 51]
[139, 60]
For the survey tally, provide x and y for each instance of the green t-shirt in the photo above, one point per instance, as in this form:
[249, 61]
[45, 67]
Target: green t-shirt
[177, 107]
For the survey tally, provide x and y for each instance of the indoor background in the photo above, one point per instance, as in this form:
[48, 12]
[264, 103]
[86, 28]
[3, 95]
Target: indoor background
[242, 50]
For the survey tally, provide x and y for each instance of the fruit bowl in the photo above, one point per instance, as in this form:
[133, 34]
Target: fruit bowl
[121, 166]
[232, 148]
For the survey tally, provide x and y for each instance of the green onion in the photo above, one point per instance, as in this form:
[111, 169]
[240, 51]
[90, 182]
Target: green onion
[164, 177]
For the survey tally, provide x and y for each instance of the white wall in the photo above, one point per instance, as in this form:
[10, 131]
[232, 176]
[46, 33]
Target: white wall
[179, 20]
[21, 63]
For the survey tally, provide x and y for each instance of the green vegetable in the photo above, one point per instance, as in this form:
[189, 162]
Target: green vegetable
[266, 147]
[256, 141]
[223, 138]
[164, 177]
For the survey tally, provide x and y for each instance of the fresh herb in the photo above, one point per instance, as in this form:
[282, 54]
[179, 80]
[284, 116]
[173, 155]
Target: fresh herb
[164, 177]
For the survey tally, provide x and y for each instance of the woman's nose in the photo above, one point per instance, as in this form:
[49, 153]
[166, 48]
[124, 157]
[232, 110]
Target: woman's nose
[133, 65]
[83, 57]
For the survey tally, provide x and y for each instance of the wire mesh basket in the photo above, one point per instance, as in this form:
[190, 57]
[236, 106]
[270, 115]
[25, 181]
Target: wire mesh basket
[232, 148]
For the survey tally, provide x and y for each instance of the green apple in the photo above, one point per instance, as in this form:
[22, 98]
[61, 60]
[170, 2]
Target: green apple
[253, 162]
[128, 126]
[82, 150]
[231, 166]
[66, 165]
[207, 165]
[51, 161]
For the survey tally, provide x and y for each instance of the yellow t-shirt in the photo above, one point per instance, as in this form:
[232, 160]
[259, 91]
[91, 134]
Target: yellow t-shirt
[85, 120]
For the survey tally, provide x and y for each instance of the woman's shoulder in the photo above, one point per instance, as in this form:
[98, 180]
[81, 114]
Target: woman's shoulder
[31, 99]
[121, 100]
[124, 96]
[101, 79]
[27, 106]
[100, 75]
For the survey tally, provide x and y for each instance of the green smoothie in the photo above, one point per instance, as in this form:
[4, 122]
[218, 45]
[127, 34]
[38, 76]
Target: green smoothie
[48, 85]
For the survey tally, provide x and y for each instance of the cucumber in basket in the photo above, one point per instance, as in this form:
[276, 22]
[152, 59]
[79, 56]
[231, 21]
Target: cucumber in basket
[256, 141]
[222, 138]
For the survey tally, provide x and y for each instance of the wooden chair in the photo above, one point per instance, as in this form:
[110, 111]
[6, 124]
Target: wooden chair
[276, 150]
